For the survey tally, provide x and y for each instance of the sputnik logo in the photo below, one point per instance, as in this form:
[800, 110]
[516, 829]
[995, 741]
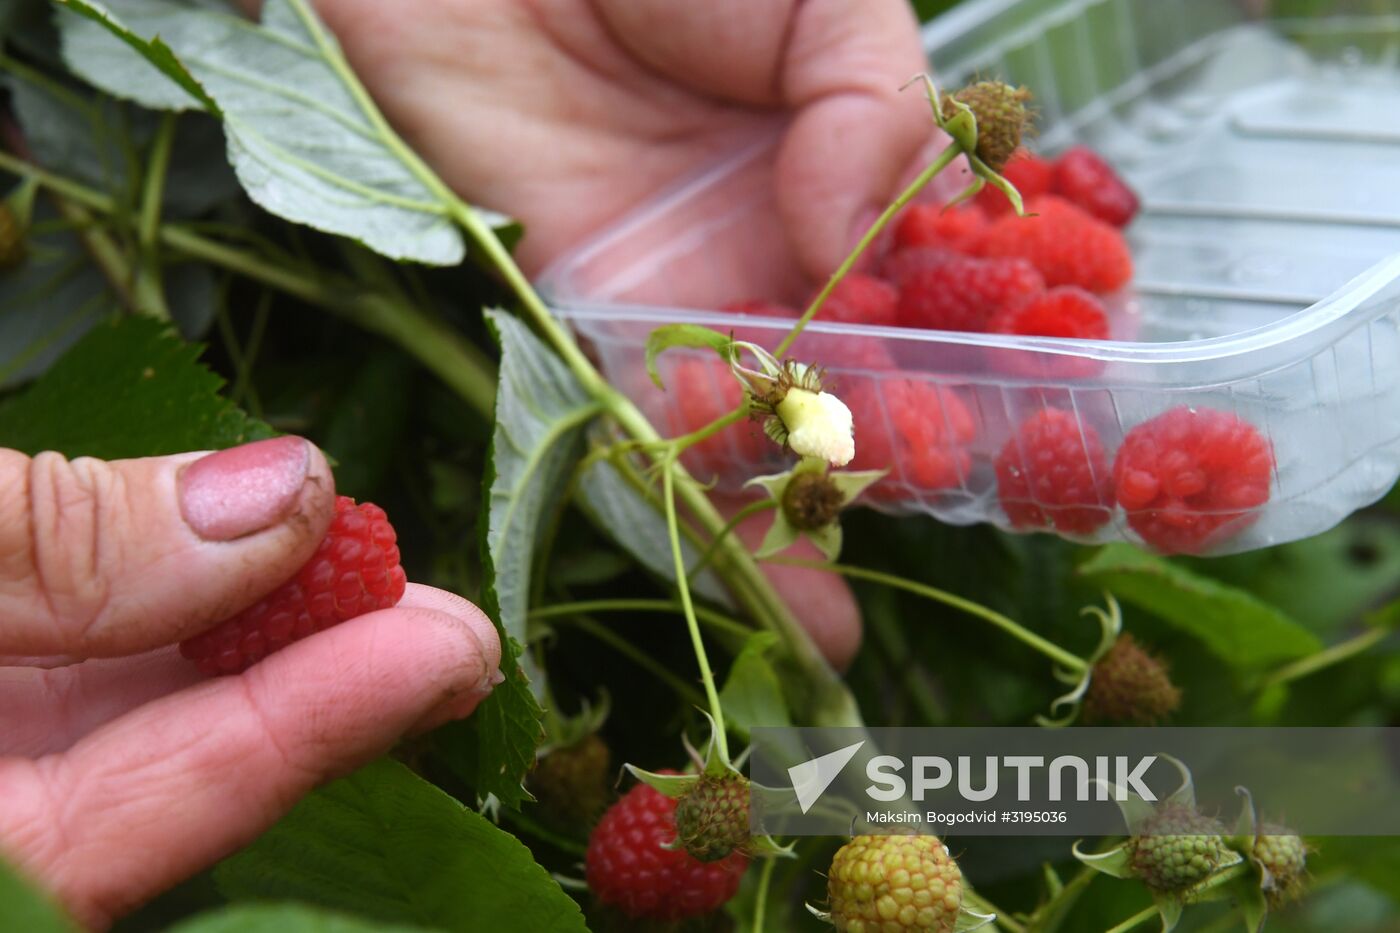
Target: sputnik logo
[810, 779]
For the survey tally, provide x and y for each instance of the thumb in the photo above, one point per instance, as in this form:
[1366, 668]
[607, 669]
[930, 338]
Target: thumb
[854, 134]
[100, 559]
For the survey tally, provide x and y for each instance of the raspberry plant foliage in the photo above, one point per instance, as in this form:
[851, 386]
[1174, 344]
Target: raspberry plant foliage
[331, 239]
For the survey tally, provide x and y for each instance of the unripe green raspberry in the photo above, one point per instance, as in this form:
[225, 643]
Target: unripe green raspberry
[572, 783]
[811, 501]
[712, 819]
[894, 884]
[1002, 118]
[1284, 855]
[1130, 685]
[1178, 847]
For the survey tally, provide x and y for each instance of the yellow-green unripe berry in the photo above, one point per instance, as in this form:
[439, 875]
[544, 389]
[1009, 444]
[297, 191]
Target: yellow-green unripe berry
[894, 884]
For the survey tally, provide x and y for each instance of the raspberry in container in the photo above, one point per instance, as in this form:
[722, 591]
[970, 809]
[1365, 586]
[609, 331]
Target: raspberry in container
[1248, 393]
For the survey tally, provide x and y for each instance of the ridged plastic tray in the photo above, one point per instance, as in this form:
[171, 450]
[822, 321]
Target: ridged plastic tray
[1267, 257]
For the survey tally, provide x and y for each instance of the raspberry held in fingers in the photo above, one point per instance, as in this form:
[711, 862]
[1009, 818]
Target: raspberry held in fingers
[355, 570]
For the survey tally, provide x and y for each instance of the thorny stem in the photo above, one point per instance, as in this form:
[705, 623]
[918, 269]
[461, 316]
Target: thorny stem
[1011, 627]
[945, 158]
[668, 493]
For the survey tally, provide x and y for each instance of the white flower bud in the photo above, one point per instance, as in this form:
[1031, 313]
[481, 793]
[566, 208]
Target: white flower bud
[818, 425]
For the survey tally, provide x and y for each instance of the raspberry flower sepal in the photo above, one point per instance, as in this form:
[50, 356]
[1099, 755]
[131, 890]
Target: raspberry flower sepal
[1004, 119]
[809, 500]
[1181, 855]
[1278, 859]
[1110, 621]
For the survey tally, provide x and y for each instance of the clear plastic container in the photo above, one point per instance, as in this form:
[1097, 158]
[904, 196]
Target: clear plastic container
[1267, 256]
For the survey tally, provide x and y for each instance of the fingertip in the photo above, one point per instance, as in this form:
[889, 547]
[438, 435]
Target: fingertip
[477, 622]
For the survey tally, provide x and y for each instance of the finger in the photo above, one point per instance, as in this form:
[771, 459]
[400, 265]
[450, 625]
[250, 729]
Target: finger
[47, 710]
[821, 600]
[100, 559]
[185, 780]
[855, 133]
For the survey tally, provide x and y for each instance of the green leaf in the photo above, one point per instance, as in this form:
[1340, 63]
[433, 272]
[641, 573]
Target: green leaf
[90, 51]
[623, 512]
[1240, 629]
[494, 749]
[752, 695]
[284, 918]
[385, 844]
[684, 335]
[541, 415]
[23, 908]
[129, 388]
[303, 136]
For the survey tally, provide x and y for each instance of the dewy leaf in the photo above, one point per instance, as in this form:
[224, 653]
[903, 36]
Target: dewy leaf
[684, 335]
[129, 388]
[1243, 631]
[387, 845]
[23, 908]
[305, 139]
[285, 918]
[89, 51]
[621, 510]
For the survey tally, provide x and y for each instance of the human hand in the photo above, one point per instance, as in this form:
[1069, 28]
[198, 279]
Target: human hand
[122, 770]
[567, 113]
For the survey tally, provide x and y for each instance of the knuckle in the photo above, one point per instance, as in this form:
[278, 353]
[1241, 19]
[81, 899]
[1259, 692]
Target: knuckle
[72, 509]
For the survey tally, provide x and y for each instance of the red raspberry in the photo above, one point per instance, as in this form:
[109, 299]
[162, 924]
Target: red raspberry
[861, 299]
[355, 570]
[917, 430]
[699, 390]
[1067, 245]
[936, 225]
[628, 867]
[1192, 477]
[898, 266]
[1031, 175]
[1060, 312]
[963, 293]
[1085, 179]
[1053, 474]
